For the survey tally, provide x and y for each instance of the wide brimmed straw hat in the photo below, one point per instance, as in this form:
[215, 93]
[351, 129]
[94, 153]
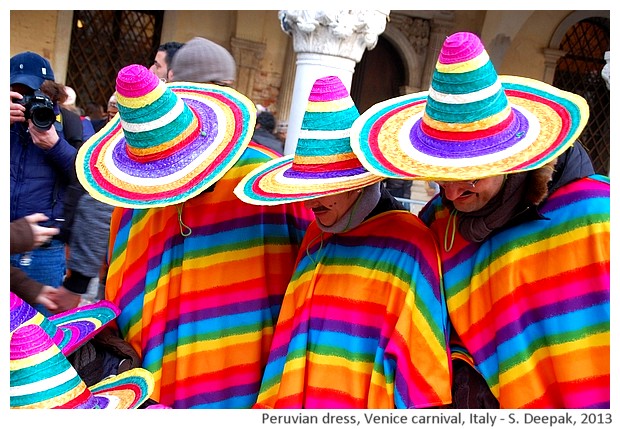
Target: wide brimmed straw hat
[471, 124]
[42, 377]
[70, 329]
[323, 163]
[168, 143]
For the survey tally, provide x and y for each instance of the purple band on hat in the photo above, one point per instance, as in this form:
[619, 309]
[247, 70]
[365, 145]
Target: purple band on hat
[460, 47]
[22, 313]
[176, 161]
[290, 173]
[455, 149]
[135, 81]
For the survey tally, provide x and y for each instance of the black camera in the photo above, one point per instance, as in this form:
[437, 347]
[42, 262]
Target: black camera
[39, 108]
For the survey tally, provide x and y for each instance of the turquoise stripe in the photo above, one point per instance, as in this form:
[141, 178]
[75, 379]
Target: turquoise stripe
[541, 335]
[330, 121]
[163, 134]
[323, 148]
[467, 82]
[467, 112]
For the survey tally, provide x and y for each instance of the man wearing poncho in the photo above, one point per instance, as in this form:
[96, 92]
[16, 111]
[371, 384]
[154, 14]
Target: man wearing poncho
[522, 224]
[363, 323]
[198, 274]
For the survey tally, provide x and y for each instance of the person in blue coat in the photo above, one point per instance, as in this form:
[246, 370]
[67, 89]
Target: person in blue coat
[42, 161]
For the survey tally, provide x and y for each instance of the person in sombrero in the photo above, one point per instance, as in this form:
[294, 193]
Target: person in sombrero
[42, 375]
[363, 323]
[522, 224]
[197, 274]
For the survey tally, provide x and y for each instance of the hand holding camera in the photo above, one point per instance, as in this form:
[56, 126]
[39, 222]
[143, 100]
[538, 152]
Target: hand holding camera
[39, 109]
[17, 109]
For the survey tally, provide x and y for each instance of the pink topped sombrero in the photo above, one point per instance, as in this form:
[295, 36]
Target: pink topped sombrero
[471, 124]
[70, 329]
[323, 163]
[168, 142]
[42, 378]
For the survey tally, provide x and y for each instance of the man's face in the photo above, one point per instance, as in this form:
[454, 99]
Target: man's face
[159, 66]
[329, 209]
[467, 198]
[22, 89]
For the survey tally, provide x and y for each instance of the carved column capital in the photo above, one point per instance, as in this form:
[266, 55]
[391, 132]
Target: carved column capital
[342, 33]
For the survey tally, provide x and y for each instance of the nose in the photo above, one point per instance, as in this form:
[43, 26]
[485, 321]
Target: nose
[311, 203]
[454, 190]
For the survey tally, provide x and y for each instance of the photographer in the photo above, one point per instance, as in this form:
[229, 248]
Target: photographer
[42, 160]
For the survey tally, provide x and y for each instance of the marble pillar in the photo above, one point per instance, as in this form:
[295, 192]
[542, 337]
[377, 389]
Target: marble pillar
[326, 43]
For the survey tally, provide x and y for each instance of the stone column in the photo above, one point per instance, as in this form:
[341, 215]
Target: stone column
[551, 61]
[285, 97]
[327, 43]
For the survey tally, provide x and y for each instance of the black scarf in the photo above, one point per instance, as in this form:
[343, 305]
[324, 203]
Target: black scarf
[476, 226]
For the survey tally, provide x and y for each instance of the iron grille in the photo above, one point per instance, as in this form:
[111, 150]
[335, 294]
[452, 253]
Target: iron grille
[105, 41]
[579, 71]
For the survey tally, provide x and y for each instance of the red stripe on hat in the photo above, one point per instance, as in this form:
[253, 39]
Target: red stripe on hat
[376, 129]
[82, 398]
[327, 166]
[467, 135]
[562, 112]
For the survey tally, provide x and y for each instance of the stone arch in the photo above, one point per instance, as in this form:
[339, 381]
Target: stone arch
[571, 20]
[414, 65]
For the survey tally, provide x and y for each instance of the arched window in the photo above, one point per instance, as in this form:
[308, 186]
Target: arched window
[105, 41]
[579, 71]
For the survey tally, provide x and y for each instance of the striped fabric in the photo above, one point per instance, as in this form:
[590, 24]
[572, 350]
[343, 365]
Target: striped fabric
[531, 303]
[201, 309]
[363, 323]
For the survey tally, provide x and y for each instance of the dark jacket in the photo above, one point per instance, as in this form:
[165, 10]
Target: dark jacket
[39, 177]
[22, 241]
[267, 139]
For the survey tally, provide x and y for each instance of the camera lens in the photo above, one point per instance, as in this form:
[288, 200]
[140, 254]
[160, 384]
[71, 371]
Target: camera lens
[42, 116]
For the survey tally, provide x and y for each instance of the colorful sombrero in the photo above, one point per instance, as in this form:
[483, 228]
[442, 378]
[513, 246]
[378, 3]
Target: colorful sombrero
[470, 124]
[70, 329]
[42, 377]
[323, 163]
[167, 144]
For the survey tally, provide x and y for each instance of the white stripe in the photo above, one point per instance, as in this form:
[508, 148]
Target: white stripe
[470, 97]
[43, 385]
[115, 401]
[157, 123]
[324, 135]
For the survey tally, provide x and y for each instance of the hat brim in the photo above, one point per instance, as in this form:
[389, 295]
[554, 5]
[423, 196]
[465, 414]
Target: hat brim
[70, 329]
[127, 390]
[82, 323]
[110, 175]
[269, 184]
[32, 82]
[389, 138]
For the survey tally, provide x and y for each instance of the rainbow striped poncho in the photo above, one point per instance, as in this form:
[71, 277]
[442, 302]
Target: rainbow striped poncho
[363, 323]
[200, 310]
[531, 303]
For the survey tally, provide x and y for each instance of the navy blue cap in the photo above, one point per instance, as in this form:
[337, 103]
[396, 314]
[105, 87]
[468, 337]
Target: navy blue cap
[30, 69]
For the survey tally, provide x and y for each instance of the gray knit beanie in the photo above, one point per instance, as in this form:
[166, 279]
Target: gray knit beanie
[202, 61]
